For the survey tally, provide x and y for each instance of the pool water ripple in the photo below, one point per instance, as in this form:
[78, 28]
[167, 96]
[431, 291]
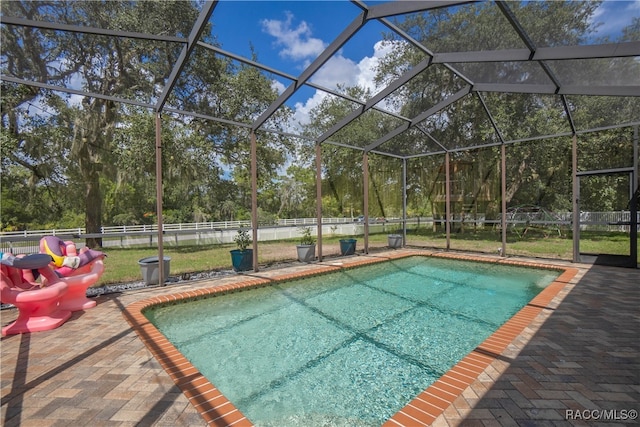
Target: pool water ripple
[349, 348]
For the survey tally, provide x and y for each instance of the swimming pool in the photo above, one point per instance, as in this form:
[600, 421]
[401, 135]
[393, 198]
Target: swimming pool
[350, 348]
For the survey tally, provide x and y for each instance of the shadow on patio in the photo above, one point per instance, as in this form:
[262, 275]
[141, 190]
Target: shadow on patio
[585, 357]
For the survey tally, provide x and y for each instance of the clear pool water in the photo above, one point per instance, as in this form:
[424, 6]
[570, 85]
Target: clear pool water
[349, 348]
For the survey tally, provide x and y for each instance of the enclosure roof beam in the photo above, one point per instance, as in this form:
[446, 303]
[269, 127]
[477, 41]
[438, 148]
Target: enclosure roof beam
[151, 107]
[605, 171]
[608, 50]
[600, 129]
[439, 106]
[335, 45]
[178, 66]
[428, 135]
[551, 75]
[476, 147]
[539, 138]
[515, 23]
[382, 153]
[513, 55]
[519, 29]
[508, 13]
[490, 116]
[394, 8]
[402, 33]
[567, 111]
[207, 117]
[374, 12]
[340, 144]
[410, 74]
[515, 88]
[620, 90]
[491, 144]
[521, 140]
[352, 147]
[247, 126]
[421, 47]
[293, 79]
[247, 61]
[611, 50]
[74, 91]
[10, 20]
[550, 89]
[121, 100]
[417, 156]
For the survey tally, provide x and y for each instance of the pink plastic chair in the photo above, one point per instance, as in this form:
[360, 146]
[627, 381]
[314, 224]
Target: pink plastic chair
[38, 307]
[76, 297]
[88, 271]
[66, 259]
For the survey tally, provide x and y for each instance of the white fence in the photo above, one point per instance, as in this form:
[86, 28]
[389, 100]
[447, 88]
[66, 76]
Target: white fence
[173, 234]
[192, 226]
[223, 231]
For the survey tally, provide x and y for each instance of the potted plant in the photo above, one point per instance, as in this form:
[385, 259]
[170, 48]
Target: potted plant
[347, 246]
[307, 247]
[242, 258]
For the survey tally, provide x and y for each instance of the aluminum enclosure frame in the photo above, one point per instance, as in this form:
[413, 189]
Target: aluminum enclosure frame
[381, 12]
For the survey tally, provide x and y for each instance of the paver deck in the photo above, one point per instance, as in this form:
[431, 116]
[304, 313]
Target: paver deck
[579, 357]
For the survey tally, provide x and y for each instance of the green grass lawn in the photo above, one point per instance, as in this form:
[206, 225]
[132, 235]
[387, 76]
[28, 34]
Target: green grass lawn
[122, 263]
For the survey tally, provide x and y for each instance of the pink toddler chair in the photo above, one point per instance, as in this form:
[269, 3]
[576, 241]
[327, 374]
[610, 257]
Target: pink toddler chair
[79, 270]
[38, 304]
[76, 297]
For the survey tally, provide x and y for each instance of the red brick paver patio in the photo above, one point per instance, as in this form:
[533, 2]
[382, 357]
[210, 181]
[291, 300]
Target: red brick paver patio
[580, 353]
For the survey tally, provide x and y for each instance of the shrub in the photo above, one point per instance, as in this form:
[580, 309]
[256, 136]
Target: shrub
[242, 239]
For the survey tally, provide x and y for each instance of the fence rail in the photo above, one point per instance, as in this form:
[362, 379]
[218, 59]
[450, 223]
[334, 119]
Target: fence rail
[223, 231]
[193, 226]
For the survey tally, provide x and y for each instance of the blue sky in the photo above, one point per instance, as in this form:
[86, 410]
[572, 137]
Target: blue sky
[288, 35]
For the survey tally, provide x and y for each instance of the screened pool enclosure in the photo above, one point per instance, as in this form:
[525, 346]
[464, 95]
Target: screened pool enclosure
[496, 116]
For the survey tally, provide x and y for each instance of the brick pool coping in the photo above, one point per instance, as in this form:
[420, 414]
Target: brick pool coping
[217, 410]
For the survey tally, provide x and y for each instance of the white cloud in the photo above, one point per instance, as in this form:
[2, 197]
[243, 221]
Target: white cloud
[346, 72]
[340, 70]
[368, 65]
[302, 110]
[277, 86]
[297, 42]
[337, 71]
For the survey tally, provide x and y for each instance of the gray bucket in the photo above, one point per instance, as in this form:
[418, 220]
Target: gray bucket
[395, 240]
[149, 269]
